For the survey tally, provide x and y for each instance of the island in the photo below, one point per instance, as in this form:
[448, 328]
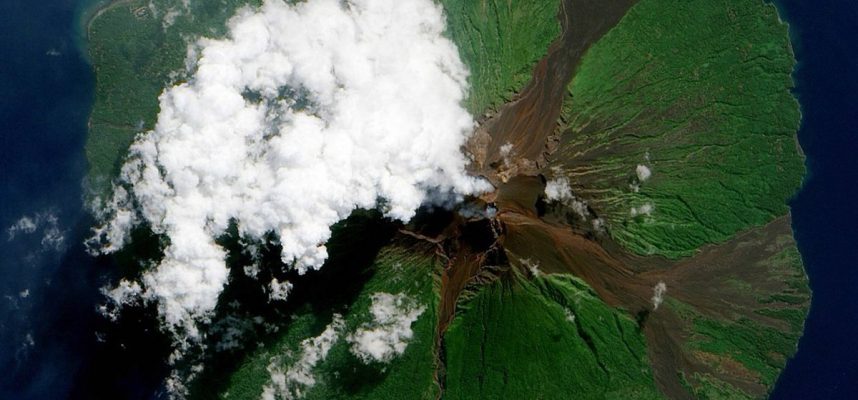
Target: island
[636, 242]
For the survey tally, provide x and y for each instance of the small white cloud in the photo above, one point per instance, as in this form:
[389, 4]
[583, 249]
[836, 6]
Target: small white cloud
[532, 266]
[570, 316]
[645, 209]
[177, 383]
[251, 271]
[643, 173]
[53, 237]
[389, 332]
[278, 290]
[119, 216]
[24, 293]
[293, 382]
[472, 210]
[559, 190]
[25, 225]
[170, 18]
[506, 150]
[598, 225]
[125, 293]
[658, 294]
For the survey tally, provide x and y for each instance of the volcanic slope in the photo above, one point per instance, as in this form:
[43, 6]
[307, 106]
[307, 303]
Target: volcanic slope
[721, 323]
[500, 41]
[697, 94]
[701, 253]
[700, 293]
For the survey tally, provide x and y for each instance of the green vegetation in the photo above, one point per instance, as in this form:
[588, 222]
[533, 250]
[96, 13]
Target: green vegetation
[695, 90]
[713, 389]
[138, 47]
[754, 342]
[745, 349]
[789, 304]
[699, 92]
[757, 347]
[550, 338]
[342, 375]
[500, 42]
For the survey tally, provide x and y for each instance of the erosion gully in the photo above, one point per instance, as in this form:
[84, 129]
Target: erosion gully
[477, 251]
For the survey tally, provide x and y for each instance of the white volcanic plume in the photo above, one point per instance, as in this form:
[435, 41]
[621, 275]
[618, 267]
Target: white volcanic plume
[302, 114]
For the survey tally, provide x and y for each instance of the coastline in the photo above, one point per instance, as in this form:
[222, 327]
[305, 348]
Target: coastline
[823, 367]
[49, 328]
[794, 48]
[85, 12]
[90, 10]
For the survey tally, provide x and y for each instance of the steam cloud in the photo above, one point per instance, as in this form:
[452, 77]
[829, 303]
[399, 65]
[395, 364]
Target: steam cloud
[389, 332]
[643, 172]
[658, 292]
[559, 190]
[301, 115]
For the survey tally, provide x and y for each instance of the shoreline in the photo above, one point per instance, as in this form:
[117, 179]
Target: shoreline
[86, 12]
[92, 11]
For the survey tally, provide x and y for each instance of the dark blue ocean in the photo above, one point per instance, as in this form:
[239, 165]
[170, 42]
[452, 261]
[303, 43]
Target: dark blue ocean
[825, 211]
[45, 92]
[54, 346]
[49, 287]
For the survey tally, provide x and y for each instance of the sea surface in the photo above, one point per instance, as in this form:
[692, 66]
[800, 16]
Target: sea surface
[825, 211]
[45, 96]
[53, 344]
